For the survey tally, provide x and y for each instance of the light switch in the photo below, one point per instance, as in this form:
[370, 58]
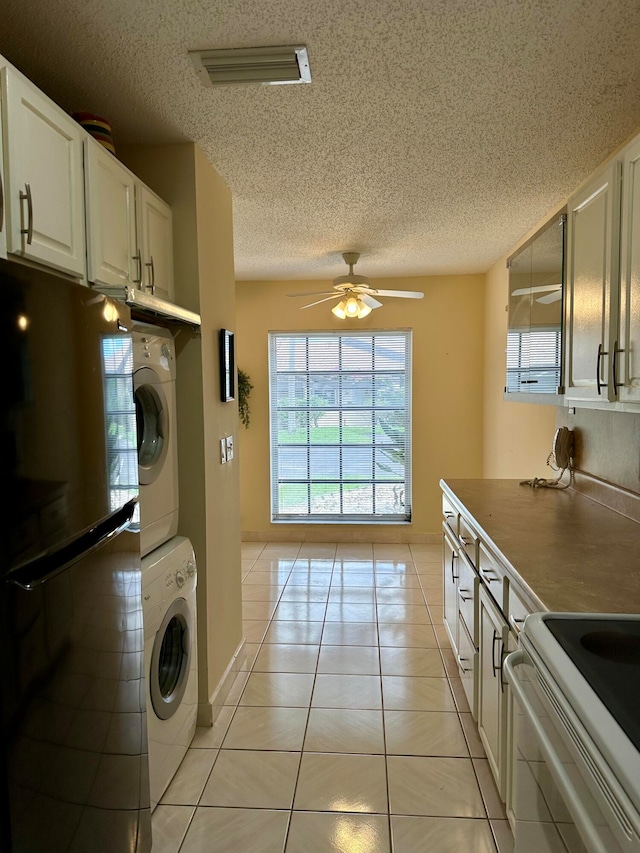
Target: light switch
[223, 450]
[229, 447]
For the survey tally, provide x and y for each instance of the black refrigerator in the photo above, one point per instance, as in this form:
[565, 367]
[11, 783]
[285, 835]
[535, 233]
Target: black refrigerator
[74, 765]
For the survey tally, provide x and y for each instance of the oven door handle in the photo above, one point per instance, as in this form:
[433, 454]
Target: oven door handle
[579, 812]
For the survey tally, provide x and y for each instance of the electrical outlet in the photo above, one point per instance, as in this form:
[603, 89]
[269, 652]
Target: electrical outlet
[223, 450]
[229, 447]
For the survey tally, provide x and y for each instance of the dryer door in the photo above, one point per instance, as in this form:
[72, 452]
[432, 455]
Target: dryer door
[170, 660]
[153, 424]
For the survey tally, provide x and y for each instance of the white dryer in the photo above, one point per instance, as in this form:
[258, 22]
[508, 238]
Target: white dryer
[154, 380]
[169, 614]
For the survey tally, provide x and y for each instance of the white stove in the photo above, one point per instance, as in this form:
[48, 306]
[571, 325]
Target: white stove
[576, 684]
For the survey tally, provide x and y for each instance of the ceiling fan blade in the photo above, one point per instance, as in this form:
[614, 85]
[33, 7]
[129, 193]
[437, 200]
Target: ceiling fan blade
[406, 294]
[370, 301]
[326, 299]
[313, 293]
[550, 297]
[541, 288]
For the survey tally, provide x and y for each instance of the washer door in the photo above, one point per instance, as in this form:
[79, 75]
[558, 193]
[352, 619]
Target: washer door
[152, 421]
[170, 660]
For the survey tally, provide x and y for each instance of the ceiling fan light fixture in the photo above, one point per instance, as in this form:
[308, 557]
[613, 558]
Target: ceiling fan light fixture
[339, 311]
[352, 307]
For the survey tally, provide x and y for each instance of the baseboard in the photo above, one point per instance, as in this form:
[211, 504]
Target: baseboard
[208, 711]
[391, 536]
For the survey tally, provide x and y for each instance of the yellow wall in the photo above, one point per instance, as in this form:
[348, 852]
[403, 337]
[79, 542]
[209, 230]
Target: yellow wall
[209, 491]
[447, 393]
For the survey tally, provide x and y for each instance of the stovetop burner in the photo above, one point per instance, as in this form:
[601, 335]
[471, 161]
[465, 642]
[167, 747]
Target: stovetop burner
[606, 651]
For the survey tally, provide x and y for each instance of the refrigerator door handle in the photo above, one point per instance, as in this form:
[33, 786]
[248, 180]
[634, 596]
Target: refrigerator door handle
[47, 566]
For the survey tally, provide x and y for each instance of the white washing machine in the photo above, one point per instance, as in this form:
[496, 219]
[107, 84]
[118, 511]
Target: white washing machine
[169, 614]
[154, 381]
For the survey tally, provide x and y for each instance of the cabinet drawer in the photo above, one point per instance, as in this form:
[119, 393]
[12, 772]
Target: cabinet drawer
[468, 667]
[492, 574]
[468, 598]
[450, 515]
[468, 540]
[517, 612]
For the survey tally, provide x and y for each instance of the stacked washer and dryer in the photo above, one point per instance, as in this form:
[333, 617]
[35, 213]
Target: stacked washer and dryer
[168, 563]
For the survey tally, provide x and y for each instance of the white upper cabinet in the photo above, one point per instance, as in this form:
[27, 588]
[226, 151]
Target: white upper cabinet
[111, 220]
[627, 356]
[155, 242]
[129, 227]
[592, 287]
[44, 198]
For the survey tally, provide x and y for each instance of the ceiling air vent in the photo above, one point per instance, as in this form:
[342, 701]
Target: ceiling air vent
[265, 65]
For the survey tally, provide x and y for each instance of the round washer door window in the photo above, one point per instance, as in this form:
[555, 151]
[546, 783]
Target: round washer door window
[170, 660]
[152, 424]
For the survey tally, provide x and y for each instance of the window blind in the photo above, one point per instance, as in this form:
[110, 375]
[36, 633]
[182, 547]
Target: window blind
[340, 420]
[534, 359]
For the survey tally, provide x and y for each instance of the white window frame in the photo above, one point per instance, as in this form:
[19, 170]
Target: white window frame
[388, 496]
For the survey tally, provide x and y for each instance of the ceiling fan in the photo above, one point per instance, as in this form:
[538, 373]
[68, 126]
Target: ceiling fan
[357, 297]
[553, 292]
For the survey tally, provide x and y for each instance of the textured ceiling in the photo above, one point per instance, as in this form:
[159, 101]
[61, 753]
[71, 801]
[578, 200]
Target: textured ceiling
[434, 134]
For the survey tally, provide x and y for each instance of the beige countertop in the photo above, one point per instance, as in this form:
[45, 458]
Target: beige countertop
[569, 552]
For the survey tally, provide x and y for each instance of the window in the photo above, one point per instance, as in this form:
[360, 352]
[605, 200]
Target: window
[340, 426]
[534, 359]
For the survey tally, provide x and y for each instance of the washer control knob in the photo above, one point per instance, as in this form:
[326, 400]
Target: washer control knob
[180, 579]
[191, 568]
[166, 352]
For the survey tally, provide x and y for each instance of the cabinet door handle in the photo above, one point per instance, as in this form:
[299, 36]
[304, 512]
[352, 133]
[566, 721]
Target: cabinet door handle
[454, 576]
[461, 664]
[496, 639]
[138, 259]
[616, 353]
[152, 284]
[468, 597]
[600, 385]
[463, 541]
[29, 229]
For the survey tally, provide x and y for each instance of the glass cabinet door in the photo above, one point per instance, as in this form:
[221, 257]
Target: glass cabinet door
[534, 336]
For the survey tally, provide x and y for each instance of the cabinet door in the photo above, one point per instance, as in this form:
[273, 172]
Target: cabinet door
[155, 242]
[450, 560]
[627, 363]
[492, 696]
[592, 289]
[44, 178]
[111, 223]
[3, 199]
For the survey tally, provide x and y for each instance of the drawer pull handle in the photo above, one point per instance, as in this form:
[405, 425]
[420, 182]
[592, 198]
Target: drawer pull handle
[516, 623]
[461, 664]
[468, 597]
[489, 576]
[463, 541]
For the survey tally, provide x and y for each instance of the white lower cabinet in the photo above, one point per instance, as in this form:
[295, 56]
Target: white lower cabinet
[450, 562]
[493, 635]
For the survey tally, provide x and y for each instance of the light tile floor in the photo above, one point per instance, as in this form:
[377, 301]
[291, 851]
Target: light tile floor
[347, 730]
